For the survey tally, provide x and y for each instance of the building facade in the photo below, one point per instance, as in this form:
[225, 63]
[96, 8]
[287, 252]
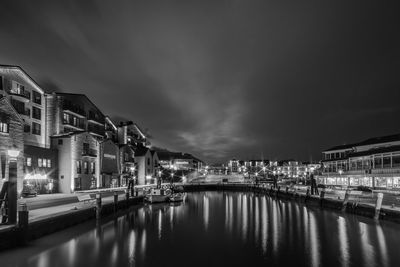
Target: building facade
[11, 137]
[78, 154]
[373, 163]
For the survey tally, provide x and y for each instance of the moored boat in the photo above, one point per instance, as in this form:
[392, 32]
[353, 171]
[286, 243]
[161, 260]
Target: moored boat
[157, 196]
[177, 197]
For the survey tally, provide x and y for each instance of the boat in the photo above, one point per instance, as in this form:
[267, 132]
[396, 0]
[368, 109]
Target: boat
[158, 195]
[177, 197]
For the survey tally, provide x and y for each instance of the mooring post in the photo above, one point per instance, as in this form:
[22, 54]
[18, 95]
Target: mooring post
[98, 206]
[115, 201]
[322, 196]
[127, 197]
[378, 205]
[23, 222]
[346, 199]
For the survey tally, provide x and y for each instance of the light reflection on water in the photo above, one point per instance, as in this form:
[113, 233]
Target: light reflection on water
[219, 229]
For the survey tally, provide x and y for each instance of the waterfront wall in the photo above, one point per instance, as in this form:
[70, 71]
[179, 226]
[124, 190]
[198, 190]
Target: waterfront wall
[309, 200]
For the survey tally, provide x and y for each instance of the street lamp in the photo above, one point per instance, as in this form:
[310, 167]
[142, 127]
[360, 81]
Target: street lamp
[12, 193]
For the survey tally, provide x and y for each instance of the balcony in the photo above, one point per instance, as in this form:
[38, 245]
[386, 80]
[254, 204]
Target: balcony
[89, 153]
[75, 126]
[96, 130]
[74, 110]
[23, 96]
[95, 120]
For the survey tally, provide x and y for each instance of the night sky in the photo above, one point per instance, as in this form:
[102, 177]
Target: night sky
[220, 79]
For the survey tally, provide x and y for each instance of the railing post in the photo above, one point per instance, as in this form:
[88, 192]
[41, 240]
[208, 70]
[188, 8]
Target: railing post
[98, 206]
[378, 206]
[23, 222]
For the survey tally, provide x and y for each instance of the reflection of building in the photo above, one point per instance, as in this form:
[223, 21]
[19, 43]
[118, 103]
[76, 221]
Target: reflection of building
[79, 161]
[28, 99]
[374, 162]
[11, 137]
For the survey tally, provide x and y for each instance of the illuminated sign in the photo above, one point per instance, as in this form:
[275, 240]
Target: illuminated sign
[109, 156]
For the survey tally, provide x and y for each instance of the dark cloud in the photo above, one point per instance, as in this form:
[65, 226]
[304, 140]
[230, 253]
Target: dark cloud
[220, 79]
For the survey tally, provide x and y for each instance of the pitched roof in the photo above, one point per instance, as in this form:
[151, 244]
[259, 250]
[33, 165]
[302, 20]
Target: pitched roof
[370, 141]
[26, 75]
[81, 95]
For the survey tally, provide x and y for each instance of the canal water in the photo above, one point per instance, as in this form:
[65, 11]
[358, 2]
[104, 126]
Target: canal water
[219, 229]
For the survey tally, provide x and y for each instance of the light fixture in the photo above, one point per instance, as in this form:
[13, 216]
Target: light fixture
[13, 152]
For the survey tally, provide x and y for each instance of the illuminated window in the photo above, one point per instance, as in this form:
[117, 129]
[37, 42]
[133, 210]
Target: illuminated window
[29, 161]
[78, 166]
[85, 167]
[44, 163]
[40, 162]
[4, 127]
[92, 167]
[48, 163]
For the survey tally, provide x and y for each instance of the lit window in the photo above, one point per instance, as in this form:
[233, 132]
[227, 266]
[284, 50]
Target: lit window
[40, 162]
[29, 161]
[85, 167]
[44, 163]
[4, 127]
[48, 163]
[78, 166]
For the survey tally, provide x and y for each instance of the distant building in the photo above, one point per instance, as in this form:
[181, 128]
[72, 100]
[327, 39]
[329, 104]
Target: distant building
[178, 161]
[233, 166]
[374, 162]
[144, 162]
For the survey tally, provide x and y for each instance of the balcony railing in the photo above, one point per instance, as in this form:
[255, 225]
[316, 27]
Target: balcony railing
[89, 153]
[76, 126]
[21, 95]
[74, 110]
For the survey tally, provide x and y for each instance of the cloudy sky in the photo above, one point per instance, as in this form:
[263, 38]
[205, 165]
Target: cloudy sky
[220, 79]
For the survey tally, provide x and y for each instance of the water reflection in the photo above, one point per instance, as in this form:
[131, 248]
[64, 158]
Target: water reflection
[229, 228]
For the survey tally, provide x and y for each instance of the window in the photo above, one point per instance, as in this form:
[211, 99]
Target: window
[28, 161]
[386, 162]
[86, 148]
[1, 83]
[60, 141]
[378, 162]
[396, 161]
[78, 166]
[85, 167]
[36, 113]
[4, 127]
[40, 162]
[92, 167]
[65, 118]
[35, 128]
[36, 98]
[27, 128]
[48, 163]
[44, 163]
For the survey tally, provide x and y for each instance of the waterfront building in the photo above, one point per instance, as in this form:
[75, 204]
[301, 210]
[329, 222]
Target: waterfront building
[178, 161]
[374, 162]
[29, 101]
[78, 156]
[233, 166]
[76, 127]
[11, 137]
[110, 166]
[143, 160]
